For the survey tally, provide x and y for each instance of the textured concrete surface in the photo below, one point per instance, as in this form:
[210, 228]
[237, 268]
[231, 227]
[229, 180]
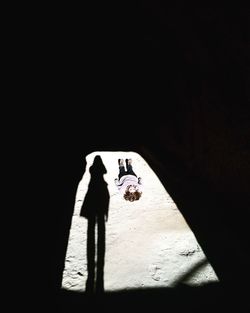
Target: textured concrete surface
[148, 242]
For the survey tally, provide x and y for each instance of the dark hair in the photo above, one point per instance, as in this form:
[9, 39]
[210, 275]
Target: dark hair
[132, 196]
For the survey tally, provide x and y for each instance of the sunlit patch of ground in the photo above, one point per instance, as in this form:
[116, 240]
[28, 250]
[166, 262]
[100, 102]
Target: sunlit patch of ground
[148, 242]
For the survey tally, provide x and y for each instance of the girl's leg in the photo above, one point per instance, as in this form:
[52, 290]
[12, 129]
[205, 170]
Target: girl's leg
[129, 167]
[122, 171]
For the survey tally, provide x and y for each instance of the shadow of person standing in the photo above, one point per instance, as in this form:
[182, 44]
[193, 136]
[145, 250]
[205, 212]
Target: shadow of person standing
[95, 210]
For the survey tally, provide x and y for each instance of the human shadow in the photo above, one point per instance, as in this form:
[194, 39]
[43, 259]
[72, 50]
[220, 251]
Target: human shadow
[95, 210]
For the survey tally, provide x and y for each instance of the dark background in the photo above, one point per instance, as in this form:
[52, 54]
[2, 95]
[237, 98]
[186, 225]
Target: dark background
[170, 83]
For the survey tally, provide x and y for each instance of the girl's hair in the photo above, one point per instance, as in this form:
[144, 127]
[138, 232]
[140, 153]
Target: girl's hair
[132, 196]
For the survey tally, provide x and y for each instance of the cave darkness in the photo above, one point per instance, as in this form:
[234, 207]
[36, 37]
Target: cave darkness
[171, 85]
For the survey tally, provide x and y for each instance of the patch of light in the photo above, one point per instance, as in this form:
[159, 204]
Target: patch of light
[148, 242]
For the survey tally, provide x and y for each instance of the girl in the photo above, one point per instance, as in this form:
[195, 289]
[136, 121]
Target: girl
[129, 185]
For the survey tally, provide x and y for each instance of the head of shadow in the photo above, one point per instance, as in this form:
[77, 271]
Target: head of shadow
[96, 201]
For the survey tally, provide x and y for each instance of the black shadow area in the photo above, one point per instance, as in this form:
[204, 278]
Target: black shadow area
[181, 76]
[208, 298]
[95, 209]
